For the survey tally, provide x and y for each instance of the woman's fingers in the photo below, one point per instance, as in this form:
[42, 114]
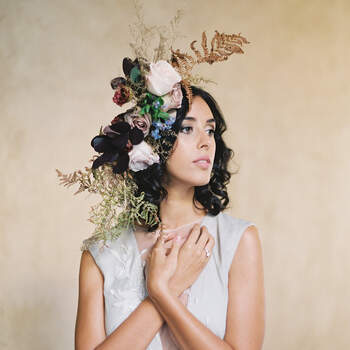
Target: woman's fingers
[208, 247]
[193, 236]
[175, 248]
[159, 246]
[210, 244]
[203, 239]
[159, 242]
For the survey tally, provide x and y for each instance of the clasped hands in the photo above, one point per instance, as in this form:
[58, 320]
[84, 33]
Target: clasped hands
[176, 269]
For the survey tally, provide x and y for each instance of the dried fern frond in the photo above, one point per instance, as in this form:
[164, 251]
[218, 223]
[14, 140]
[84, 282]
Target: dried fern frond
[187, 86]
[84, 180]
[222, 46]
[198, 79]
[183, 63]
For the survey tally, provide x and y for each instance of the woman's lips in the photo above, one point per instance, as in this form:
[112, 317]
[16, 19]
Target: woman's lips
[204, 164]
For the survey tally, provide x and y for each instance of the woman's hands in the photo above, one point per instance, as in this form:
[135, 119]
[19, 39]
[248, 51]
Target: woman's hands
[160, 266]
[181, 267]
[192, 259]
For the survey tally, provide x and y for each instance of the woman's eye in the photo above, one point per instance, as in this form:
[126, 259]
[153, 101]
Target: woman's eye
[211, 131]
[186, 129]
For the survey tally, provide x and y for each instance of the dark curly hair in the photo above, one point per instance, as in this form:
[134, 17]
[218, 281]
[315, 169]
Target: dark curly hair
[213, 196]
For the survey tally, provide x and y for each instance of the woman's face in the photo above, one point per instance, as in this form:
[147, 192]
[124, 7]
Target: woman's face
[194, 150]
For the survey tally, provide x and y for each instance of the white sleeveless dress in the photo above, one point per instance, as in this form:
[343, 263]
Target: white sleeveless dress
[121, 262]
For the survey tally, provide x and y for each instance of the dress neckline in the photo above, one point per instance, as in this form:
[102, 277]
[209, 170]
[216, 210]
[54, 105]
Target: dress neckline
[168, 230]
[200, 220]
[133, 236]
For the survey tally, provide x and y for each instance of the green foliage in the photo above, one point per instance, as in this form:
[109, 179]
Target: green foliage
[119, 209]
[152, 104]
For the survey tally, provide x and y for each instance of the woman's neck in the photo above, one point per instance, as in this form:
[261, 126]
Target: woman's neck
[178, 208]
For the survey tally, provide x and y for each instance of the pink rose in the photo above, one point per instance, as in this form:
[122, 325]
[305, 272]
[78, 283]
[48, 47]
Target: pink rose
[142, 122]
[162, 78]
[142, 156]
[173, 99]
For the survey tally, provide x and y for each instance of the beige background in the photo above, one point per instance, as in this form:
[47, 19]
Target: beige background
[286, 104]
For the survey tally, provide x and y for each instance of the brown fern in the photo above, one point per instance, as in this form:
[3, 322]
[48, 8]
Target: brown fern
[187, 86]
[222, 46]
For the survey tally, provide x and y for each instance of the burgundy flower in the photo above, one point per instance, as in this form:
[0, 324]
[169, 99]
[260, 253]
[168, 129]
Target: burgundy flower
[122, 95]
[118, 118]
[115, 145]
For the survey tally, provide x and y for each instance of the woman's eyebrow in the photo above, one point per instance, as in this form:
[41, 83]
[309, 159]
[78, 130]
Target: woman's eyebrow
[211, 120]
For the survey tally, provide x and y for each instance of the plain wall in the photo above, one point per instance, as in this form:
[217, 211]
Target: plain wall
[286, 102]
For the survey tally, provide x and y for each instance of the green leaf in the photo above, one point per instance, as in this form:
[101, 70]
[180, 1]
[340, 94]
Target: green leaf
[163, 115]
[135, 75]
[155, 114]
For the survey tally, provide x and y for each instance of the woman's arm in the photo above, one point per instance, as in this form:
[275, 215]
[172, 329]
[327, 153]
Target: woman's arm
[145, 320]
[245, 323]
[137, 331]
[189, 332]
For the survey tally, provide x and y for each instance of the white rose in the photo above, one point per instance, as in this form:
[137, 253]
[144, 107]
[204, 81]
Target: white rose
[162, 78]
[142, 156]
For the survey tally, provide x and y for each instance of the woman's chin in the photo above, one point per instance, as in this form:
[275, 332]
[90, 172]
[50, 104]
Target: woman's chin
[200, 181]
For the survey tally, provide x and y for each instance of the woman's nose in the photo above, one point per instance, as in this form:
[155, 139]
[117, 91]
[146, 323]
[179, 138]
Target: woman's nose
[204, 140]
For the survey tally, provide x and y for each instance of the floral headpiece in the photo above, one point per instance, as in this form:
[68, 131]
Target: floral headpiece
[137, 138]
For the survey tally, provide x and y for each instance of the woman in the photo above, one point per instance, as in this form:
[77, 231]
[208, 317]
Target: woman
[203, 290]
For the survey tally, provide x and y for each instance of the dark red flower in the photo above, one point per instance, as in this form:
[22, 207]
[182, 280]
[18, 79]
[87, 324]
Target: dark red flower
[122, 95]
[118, 118]
[115, 145]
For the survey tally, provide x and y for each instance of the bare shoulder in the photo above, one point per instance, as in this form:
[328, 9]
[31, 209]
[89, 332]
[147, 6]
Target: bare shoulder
[89, 328]
[249, 249]
[87, 260]
[89, 275]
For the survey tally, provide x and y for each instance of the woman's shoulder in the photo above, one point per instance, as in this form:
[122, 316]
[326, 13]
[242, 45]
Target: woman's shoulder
[231, 222]
[229, 230]
[106, 251]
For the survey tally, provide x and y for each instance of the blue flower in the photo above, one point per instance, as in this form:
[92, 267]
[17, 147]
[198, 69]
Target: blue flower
[158, 124]
[156, 104]
[155, 134]
[170, 121]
